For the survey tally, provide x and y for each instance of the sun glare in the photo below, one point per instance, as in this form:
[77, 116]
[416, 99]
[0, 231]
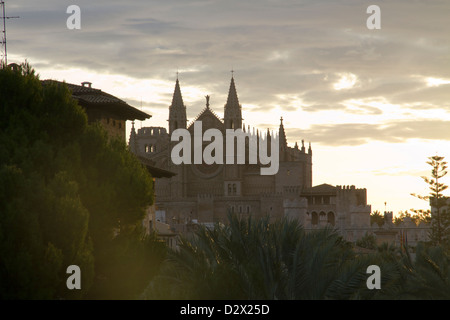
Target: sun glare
[347, 81]
[436, 82]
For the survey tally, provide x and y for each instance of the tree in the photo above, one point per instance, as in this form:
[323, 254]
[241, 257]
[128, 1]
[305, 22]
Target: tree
[377, 217]
[418, 216]
[43, 223]
[66, 192]
[440, 218]
[428, 277]
[368, 241]
[262, 259]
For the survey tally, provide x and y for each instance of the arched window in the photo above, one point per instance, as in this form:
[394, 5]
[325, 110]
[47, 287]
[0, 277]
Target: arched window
[330, 218]
[322, 216]
[314, 218]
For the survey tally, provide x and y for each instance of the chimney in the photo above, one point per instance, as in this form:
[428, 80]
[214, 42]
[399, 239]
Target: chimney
[86, 84]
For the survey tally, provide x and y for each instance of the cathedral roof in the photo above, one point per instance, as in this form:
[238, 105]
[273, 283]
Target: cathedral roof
[207, 113]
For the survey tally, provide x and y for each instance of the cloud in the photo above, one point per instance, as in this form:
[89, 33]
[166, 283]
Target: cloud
[288, 55]
[346, 81]
[360, 133]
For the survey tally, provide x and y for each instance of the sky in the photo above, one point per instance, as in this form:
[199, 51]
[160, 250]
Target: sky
[373, 103]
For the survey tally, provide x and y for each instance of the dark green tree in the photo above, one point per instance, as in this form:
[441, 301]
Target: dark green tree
[68, 195]
[368, 241]
[262, 259]
[440, 218]
[425, 278]
[376, 217]
[43, 223]
[417, 216]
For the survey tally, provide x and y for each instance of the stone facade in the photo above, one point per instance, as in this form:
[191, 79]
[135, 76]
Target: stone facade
[405, 233]
[205, 193]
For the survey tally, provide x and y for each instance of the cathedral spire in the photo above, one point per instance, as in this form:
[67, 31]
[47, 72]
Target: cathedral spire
[232, 112]
[282, 135]
[132, 142]
[177, 110]
[283, 141]
[177, 99]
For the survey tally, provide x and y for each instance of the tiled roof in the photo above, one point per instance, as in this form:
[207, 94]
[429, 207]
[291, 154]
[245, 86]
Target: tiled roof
[322, 188]
[155, 171]
[95, 98]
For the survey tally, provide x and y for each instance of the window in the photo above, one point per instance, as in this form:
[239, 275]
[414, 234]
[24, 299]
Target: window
[330, 218]
[234, 188]
[314, 218]
[229, 189]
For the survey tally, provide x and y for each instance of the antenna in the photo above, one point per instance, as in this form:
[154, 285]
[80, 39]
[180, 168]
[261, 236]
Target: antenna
[3, 42]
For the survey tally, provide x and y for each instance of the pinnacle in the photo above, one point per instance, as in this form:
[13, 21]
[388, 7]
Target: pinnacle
[177, 99]
[232, 99]
[282, 134]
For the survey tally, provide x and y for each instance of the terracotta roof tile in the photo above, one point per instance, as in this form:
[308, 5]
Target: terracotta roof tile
[90, 97]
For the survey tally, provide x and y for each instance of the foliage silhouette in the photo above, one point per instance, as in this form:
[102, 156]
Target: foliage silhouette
[66, 191]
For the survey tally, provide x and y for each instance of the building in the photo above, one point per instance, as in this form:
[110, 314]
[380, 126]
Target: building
[104, 108]
[112, 113]
[206, 193]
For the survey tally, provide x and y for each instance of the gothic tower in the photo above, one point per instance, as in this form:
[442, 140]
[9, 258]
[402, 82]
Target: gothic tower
[232, 112]
[283, 142]
[132, 142]
[177, 111]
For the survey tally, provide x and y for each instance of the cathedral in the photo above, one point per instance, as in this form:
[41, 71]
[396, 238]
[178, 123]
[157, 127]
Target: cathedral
[201, 193]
